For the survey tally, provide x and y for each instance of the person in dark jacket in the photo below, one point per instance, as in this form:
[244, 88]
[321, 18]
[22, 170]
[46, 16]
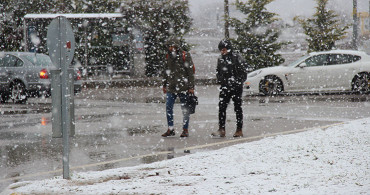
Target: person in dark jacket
[231, 74]
[178, 81]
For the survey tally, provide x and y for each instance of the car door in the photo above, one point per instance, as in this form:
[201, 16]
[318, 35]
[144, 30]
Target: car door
[341, 68]
[11, 69]
[7, 69]
[309, 75]
[33, 66]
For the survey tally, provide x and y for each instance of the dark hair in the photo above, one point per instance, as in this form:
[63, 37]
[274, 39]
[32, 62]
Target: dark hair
[172, 42]
[225, 43]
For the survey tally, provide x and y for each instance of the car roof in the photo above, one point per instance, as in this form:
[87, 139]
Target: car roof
[21, 53]
[353, 52]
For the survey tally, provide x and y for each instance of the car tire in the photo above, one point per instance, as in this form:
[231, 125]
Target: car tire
[271, 85]
[361, 83]
[18, 93]
[4, 98]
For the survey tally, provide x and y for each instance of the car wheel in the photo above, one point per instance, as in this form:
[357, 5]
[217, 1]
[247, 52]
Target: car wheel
[361, 83]
[4, 97]
[271, 85]
[18, 93]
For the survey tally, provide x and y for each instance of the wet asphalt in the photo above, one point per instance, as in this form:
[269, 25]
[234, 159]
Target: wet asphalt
[118, 127]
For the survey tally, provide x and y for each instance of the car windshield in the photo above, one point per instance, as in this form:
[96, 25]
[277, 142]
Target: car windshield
[297, 61]
[39, 60]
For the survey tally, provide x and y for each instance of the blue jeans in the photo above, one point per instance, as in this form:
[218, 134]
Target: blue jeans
[170, 101]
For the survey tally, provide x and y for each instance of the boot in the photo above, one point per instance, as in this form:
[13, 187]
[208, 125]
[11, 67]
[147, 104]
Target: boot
[185, 133]
[238, 133]
[169, 133]
[219, 133]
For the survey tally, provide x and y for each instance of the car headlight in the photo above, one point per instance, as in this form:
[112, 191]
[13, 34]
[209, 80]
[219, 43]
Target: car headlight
[254, 73]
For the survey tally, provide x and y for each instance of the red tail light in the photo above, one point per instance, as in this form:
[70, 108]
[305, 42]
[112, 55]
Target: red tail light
[78, 75]
[44, 74]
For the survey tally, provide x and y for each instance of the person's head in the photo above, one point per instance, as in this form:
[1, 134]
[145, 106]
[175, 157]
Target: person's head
[172, 48]
[172, 44]
[225, 46]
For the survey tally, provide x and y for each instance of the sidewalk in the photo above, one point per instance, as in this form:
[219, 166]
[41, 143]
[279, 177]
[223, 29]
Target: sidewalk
[326, 160]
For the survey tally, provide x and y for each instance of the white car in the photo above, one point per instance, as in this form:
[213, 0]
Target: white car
[329, 71]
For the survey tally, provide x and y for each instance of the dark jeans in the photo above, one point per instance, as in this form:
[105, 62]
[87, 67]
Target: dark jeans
[227, 93]
[170, 101]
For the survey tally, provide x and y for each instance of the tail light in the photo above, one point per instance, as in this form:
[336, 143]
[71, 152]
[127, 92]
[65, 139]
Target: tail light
[78, 75]
[44, 74]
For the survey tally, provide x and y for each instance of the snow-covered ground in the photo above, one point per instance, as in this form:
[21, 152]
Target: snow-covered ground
[327, 160]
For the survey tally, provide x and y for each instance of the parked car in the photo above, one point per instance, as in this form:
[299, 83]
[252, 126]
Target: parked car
[26, 74]
[329, 71]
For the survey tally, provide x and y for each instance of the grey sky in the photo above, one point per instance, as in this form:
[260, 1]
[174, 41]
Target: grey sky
[287, 9]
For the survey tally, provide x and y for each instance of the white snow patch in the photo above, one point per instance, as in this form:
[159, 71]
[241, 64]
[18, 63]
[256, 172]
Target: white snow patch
[333, 160]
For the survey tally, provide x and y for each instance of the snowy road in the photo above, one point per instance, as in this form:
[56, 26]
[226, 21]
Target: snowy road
[122, 127]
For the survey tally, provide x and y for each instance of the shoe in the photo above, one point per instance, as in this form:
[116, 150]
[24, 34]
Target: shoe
[185, 133]
[238, 133]
[219, 133]
[169, 133]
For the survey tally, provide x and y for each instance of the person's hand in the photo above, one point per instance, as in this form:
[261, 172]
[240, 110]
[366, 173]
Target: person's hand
[164, 90]
[191, 91]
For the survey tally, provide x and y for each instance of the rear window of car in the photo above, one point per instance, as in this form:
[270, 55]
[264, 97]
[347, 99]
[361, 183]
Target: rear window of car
[39, 60]
[343, 59]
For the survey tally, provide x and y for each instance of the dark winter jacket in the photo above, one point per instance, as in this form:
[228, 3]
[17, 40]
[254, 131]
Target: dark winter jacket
[231, 68]
[178, 72]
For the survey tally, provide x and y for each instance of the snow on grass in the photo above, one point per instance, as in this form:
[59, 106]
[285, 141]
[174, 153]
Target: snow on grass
[334, 160]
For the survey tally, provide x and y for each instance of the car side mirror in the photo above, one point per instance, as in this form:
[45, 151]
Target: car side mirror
[302, 65]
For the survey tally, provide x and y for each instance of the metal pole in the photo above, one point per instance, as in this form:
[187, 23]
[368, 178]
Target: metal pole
[355, 25]
[226, 10]
[86, 43]
[25, 39]
[66, 123]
